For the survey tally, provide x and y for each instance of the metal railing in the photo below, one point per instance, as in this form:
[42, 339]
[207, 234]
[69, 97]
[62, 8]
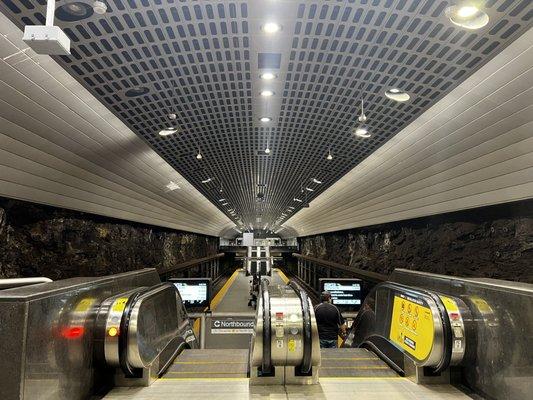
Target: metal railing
[208, 267]
[309, 270]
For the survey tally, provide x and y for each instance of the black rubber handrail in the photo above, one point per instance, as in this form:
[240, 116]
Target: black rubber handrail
[447, 333]
[123, 333]
[307, 340]
[124, 328]
[181, 346]
[266, 363]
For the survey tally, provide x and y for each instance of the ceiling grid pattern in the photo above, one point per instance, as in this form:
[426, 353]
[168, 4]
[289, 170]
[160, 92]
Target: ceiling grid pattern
[146, 59]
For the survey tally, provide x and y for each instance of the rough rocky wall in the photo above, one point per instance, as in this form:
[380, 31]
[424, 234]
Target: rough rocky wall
[37, 240]
[494, 242]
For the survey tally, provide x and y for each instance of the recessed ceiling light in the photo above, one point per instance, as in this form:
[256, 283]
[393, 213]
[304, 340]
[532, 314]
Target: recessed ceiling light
[99, 7]
[309, 189]
[316, 181]
[172, 116]
[199, 155]
[267, 76]
[167, 131]
[271, 27]
[329, 156]
[173, 186]
[224, 204]
[297, 199]
[207, 180]
[362, 131]
[265, 119]
[267, 151]
[267, 93]
[222, 200]
[467, 15]
[397, 95]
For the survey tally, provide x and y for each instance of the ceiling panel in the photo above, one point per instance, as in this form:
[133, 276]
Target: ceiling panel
[200, 60]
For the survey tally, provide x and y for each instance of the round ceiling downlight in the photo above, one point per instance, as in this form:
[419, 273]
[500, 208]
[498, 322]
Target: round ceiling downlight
[467, 15]
[168, 131]
[267, 76]
[137, 91]
[397, 95]
[361, 131]
[265, 119]
[74, 11]
[271, 27]
[267, 93]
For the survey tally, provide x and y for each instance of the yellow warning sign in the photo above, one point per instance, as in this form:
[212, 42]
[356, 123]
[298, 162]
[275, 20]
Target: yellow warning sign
[84, 305]
[412, 326]
[291, 345]
[482, 305]
[120, 304]
[450, 304]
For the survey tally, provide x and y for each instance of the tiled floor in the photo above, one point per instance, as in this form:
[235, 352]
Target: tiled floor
[329, 389]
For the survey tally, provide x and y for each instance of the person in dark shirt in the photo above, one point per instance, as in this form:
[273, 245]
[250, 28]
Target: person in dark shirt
[329, 321]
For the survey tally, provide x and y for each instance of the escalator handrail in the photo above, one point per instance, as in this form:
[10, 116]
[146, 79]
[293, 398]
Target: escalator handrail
[125, 323]
[266, 363]
[306, 365]
[445, 358]
[447, 335]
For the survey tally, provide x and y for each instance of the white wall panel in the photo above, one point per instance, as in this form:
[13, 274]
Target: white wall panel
[60, 146]
[473, 148]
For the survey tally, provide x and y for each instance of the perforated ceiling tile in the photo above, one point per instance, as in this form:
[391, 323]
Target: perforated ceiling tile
[199, 59]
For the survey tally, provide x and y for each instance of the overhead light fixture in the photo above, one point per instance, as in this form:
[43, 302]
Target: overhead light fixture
[362, 132]
[316, 181]
[207, 180]
[297, 199]
[168, 131]
[467, 14]
[397, 95]
[362, 116]
[199, 155]
[173, 186]
[271, 27]
[224, 204]
[329, 156]
[267, 93]
[309, 189]
[267, 76]
[291, 207]
[99, 7]
[172, 116]
[221, 200]
[265, 119]
[267, 151]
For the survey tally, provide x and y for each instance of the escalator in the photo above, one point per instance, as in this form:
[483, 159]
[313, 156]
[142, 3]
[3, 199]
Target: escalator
[409, 327]
[141, 331]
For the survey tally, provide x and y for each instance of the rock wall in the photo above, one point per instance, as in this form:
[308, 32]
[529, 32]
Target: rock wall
[494, 242]
[37, 240]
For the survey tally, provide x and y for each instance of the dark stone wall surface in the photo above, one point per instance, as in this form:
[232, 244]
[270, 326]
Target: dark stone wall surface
[492, 242]
[37, 240]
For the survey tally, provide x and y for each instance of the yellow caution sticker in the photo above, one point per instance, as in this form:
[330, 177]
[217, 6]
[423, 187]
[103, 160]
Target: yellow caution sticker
[412, 326]
[291, 345]
[84, 305]
[120, 304]
[450, 304]
[482, 305]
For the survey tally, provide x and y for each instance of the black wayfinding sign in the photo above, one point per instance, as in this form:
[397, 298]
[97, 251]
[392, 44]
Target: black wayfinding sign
[232, 326]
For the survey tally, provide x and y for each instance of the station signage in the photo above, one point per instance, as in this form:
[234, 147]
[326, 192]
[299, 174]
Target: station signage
[232, 326]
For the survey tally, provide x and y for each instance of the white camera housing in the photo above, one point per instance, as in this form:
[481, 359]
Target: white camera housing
[44, 39]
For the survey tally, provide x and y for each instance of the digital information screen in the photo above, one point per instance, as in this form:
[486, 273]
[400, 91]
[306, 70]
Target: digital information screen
[345, 293]
[195, 293]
